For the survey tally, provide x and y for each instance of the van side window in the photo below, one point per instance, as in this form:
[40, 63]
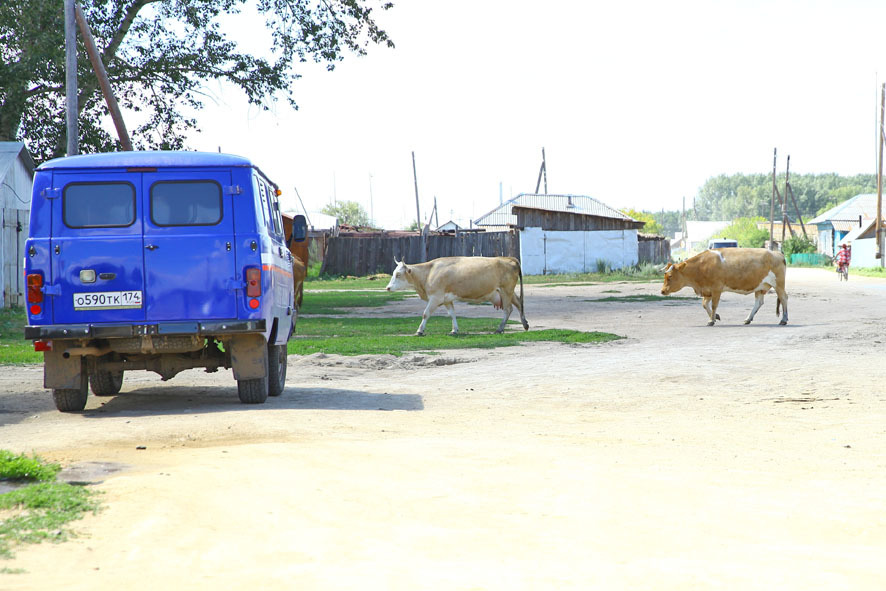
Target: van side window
[98, 205]
[186, 203]
[272, 200]
[262, 203]
[278, 219]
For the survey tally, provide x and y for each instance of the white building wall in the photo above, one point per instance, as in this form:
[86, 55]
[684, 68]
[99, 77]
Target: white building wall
[546, 252]
[15, 205]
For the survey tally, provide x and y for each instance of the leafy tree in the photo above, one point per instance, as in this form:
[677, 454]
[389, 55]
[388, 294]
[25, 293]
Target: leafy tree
[652, 226]
[347, 212]
[727, 197]
[746, 232]
[159, 54]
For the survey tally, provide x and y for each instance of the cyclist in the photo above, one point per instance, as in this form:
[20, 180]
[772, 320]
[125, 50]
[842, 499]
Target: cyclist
[842, 261]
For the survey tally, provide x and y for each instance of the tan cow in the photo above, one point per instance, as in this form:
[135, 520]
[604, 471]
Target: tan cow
[739, 270]
[442, 281]
[299, 272]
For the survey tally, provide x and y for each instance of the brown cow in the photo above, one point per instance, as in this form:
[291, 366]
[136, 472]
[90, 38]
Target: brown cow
[299, 272]
[739, 270]
[469, 279]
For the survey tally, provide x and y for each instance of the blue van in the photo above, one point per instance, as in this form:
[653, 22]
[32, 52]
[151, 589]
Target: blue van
[158, 261]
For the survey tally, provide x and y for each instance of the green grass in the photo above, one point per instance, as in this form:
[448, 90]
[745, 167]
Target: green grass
[21, 467]
[395, 336]
[41, 511]
[14, 349]
[339, 302]
[640, 298]
[867, 271]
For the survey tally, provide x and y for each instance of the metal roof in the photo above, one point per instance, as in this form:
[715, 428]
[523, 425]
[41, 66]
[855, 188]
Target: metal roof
[580, 204]
[864, 205]
[9, 151]
[145, 158]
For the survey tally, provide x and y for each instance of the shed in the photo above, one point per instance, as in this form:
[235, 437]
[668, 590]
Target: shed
[834, 224]
[16, 178]
[567, 233]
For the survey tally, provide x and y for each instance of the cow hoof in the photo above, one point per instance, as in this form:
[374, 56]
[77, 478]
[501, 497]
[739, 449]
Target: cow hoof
[711, 323]
[419, 333]
[783, 322]
[747, 321]
[453, 333]
[718, 317]
[525, 325]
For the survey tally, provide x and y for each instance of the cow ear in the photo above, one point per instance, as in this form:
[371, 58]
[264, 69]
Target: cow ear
[681, 266]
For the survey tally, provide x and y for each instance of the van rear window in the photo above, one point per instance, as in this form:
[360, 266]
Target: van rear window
[98, 205]
[186, 203]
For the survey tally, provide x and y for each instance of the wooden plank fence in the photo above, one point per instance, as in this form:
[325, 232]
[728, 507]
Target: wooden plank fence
[653, 250]
[368, 255]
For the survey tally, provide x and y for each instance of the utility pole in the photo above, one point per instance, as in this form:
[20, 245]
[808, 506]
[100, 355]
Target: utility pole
[71, 109]
[103, 81]
[879, 233]
[772, 203]
[784, 203]
[418, 212]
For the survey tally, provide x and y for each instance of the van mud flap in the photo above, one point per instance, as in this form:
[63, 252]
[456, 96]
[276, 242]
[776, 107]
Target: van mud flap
[249, 356]
[60, 372]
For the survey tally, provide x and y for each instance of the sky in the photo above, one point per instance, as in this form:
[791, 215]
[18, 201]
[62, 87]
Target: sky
[636, 104]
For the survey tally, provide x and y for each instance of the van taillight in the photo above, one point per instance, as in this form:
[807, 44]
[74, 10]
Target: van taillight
[253, 282]
[35, 288]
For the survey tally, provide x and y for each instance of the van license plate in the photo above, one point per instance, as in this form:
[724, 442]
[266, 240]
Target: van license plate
[108, 300]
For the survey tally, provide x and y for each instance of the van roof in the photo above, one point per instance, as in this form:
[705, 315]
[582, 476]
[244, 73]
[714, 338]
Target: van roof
[146, 158]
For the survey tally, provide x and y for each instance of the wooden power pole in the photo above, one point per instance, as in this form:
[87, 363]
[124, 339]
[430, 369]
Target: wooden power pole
[71, 110]
[879, 233]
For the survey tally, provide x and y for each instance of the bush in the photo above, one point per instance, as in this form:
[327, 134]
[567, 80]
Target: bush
[746, 232]
[797, 245]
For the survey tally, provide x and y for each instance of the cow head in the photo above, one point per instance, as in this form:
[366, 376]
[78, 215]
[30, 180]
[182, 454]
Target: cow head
[399, 279]
[673, 278]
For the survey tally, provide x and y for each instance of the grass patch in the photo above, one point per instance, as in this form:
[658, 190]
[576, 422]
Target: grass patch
[40, 511]
[640, 298]
[21, 467]
[378, 281]
[867, 271]
[395, 336]
[14, 349]
[336, 302]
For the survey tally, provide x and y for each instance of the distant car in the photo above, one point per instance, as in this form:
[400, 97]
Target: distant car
[722, 243]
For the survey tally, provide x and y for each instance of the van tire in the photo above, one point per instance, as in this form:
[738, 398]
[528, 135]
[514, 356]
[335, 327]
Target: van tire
[253, 391]
[276, 369]
[72, 399]
[106, 383]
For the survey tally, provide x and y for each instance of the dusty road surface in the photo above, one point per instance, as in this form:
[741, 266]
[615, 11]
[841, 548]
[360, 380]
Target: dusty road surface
[681, 457]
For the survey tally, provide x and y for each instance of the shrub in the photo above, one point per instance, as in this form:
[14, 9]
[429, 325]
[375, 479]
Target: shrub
[797, 245]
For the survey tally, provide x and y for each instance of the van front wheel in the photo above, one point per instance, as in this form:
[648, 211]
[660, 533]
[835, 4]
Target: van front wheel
[276, 369]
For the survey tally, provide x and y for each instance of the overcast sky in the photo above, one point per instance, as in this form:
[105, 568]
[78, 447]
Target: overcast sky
[635, 103]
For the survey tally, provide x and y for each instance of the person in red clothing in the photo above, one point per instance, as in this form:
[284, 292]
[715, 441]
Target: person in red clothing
[844, 256]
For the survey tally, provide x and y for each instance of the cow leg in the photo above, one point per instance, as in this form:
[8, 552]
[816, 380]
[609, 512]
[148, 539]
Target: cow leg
[451, 309]
[783, 299]
[516, 301]
[433, 304]
[758, 301]
[507, 309]
[706, 304]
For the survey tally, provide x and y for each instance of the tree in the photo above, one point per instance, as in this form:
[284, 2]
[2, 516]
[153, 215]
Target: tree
[652, 226]
[347, 212]
[746, 232]
[159, 54]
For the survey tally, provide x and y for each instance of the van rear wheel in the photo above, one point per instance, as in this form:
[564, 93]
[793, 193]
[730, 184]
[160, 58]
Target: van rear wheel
[276, 369]
[106, 383]
[253, 391]
[72, 399]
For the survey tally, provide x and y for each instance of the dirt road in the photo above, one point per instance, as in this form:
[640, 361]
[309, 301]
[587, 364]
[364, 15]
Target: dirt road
[681, 457]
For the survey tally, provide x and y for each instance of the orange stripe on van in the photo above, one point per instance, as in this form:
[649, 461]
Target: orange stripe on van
[278, 270]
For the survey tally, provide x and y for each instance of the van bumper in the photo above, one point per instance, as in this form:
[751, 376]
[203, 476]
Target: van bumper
[110, 331]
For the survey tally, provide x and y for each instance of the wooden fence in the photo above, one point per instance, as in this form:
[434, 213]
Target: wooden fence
[653, 249]
[366, 255]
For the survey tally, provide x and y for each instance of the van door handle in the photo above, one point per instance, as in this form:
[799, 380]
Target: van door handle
[152, 247]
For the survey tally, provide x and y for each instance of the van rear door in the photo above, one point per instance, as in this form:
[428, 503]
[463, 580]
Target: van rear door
[96, 249]
[190, 270]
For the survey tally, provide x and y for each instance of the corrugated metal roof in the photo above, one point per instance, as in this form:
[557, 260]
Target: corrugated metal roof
[580, 204]
[844, 225]
[864, 205]
[9, 152]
